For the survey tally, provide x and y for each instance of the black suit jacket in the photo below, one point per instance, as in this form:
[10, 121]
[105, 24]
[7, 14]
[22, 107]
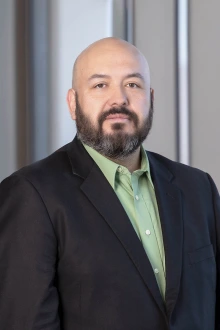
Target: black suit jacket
[71, 260]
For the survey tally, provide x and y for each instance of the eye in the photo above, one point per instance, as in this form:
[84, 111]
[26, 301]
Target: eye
[132, 85]
[100, 85]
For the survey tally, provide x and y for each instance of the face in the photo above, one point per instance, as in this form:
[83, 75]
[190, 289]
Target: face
[113, 109]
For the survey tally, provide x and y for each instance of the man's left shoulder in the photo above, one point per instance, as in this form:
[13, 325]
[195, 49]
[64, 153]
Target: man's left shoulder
[181, 173]
[171, 164]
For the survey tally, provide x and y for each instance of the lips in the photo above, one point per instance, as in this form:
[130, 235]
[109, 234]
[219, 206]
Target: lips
[117, 116]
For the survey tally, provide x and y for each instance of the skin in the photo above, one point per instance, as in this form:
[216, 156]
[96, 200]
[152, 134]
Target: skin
[112, 73]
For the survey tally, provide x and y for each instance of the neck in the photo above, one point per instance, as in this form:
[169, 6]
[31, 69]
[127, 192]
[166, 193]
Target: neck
[131, 162]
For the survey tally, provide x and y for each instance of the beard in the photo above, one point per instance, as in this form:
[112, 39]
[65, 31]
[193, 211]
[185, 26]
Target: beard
[118, 144]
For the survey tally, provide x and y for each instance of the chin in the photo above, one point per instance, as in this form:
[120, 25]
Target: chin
[116, 132]
[119, 128]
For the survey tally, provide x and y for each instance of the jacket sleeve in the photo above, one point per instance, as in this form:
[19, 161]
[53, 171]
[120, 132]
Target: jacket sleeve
[28, 253]
[216, 206]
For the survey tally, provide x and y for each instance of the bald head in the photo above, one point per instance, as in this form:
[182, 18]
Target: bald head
[111, 98]
[105, 49]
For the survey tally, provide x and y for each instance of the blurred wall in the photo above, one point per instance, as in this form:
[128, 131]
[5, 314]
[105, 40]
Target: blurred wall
[8, 156]
[204, 85]
[39, 42]
[155, 28]
[155, 35]
[73, 26]
[43, 40]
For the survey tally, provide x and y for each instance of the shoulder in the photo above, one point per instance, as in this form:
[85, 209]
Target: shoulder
[51, 166]
[44, 177]
[183, 175]
[172, 165]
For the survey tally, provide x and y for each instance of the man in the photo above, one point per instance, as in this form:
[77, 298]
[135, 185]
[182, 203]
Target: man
[102, 235]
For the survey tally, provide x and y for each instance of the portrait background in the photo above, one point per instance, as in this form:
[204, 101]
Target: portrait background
[40, 39]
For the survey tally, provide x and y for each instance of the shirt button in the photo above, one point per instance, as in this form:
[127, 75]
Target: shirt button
[156, 271]
[147, 232]
[119, 169]
[136, 197]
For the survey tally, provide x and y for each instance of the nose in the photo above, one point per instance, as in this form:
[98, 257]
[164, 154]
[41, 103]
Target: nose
[118, 97]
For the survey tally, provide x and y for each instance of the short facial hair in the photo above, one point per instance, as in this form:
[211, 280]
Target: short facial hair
[118, 144]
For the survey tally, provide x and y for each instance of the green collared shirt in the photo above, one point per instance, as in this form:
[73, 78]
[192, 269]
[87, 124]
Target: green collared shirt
[136, 194]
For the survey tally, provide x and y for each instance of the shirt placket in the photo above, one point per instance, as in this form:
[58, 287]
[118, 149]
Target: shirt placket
[147, 232]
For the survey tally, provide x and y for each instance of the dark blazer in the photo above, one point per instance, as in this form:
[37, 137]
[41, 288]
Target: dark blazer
[71, 260]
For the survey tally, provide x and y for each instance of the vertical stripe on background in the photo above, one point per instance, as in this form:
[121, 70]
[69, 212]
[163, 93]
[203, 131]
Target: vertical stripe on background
[183, 83]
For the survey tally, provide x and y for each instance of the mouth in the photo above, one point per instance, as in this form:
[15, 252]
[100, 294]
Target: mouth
[119, 117]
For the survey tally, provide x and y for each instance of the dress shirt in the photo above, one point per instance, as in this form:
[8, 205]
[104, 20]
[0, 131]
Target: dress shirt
[137, 195]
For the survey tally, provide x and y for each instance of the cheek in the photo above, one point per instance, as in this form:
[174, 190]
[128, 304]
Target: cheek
[141, 108]
[90, 110]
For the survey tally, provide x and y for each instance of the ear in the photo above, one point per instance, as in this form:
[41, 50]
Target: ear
[152, 94]
[152, 97]
[71, 101]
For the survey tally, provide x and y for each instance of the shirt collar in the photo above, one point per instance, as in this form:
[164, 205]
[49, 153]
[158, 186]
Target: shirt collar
[109, 168]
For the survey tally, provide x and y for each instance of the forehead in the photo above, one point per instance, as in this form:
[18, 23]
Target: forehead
[111, 60]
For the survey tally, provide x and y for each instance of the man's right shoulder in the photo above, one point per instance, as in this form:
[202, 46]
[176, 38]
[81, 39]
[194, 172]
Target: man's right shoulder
[51, 167]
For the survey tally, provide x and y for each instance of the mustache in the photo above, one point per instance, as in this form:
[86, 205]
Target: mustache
[122, 110]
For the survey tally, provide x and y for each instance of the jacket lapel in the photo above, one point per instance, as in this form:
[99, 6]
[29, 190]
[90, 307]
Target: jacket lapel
[170, 209]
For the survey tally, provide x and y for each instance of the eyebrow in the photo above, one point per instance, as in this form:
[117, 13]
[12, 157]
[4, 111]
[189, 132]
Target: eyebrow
[96, 75]
[135, 75]
[130, 75]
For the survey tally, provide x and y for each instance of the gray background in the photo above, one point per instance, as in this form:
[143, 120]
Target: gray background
[39, 41]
